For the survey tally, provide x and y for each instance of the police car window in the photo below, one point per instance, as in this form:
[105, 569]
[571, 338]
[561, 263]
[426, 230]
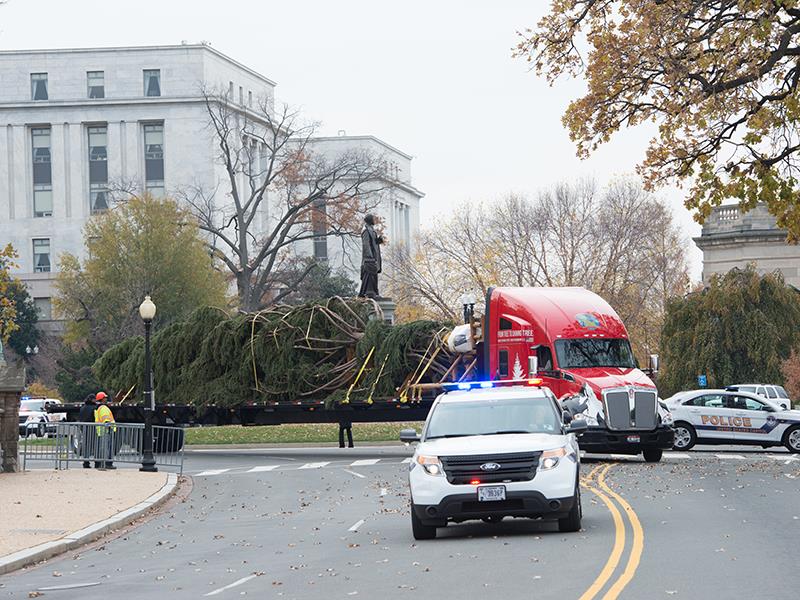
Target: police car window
[760, 391]
[746, 388]
[771, 392]
[781, 392]
[707, 400]
[493, 417]
[749, 403]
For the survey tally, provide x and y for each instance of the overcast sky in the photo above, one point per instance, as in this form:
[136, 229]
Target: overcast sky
[435, 79]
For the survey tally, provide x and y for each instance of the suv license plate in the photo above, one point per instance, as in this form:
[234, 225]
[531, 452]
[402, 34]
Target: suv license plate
[634, 439]
[490, 493]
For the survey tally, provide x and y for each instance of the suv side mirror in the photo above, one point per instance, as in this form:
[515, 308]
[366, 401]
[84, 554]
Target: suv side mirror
[408, 436]
[566, 417]
[578, 426]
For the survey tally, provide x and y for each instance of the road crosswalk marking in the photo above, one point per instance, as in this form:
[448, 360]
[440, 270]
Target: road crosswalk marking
[784, 457]
[213, 472]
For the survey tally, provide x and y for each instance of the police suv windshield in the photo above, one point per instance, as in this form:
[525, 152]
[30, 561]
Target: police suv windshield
[594, 352]
[493, 417]
[32, 405]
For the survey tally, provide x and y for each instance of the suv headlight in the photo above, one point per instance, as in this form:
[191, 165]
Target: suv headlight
[431, 464]
[550, 458]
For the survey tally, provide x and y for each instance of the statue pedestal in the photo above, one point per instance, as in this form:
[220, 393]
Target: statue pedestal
[12, 382]
[388, 307]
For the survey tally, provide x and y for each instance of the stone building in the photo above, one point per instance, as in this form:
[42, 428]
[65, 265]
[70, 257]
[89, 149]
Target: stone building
[731, 239]
[75, 121]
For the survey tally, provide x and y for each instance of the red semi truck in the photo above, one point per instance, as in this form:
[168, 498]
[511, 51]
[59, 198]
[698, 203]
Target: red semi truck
[577, 344]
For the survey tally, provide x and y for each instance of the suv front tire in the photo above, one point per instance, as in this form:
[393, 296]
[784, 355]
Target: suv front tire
[572, 522]
[419, 529]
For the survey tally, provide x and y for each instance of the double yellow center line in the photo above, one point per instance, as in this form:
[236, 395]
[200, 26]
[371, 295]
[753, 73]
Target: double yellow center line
[622, 514]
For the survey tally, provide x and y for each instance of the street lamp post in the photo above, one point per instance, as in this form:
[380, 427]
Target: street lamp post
[147, 311]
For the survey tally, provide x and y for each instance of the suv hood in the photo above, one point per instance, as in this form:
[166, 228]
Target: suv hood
[492, 444]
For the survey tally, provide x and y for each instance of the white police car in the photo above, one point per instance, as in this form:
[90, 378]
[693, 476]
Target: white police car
[732, 417]
[495, 450]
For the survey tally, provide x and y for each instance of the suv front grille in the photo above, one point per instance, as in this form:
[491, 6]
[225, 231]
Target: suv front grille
[622, 414]
[520, 466]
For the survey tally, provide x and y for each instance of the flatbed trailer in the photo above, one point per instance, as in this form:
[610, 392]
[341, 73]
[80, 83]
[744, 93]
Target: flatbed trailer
[378, 411]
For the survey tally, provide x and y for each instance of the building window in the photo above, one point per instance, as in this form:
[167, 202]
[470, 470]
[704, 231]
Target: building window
[98, 168]
[241, 95]
[319, 225]
[249, 98]
[95, 81]
[41, 255]
[230, 90]
[154, 159]
[152, 82]
[42, 173]
[44, 307]
[39, 86]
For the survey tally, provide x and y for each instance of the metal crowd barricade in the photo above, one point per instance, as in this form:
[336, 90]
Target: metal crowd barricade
[102, 443]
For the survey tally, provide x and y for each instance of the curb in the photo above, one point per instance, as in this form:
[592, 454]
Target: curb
[23, 558]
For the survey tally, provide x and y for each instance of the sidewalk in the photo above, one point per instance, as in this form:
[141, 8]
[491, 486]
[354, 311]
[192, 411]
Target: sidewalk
[47, 512]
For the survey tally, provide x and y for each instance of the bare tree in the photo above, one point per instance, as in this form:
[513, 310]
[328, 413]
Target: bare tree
[269, 166]
[619, 242]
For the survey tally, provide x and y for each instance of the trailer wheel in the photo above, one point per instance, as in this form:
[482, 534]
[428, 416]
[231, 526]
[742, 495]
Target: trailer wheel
[652, 455]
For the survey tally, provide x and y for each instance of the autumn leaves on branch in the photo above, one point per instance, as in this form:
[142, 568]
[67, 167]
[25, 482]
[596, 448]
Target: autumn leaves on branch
[718, 77]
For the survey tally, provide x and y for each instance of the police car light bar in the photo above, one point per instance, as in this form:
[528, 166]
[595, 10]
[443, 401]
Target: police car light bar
[471, 385]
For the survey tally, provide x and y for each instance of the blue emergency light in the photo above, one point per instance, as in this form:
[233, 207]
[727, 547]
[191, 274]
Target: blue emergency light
[471, 385]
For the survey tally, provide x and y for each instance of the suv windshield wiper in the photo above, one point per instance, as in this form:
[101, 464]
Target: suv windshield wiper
[507, 431]
[448, 435]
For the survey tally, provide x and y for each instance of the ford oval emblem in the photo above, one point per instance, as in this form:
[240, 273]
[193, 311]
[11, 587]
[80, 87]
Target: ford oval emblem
[489, 467]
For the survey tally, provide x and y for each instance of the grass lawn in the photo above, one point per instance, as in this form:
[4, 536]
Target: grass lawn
[295, 433]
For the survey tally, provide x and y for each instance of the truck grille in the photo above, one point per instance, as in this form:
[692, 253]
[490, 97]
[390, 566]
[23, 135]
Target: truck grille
[622, 414]
[520, 466]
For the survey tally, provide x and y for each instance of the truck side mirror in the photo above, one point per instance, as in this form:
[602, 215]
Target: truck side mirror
[578, 426]
[533, 366]
[408, 436]
[653, 363]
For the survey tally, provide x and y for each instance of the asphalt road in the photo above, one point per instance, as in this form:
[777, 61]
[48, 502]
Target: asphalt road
[722, 523]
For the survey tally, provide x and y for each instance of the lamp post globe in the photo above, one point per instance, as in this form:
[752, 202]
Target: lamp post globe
[147, 311]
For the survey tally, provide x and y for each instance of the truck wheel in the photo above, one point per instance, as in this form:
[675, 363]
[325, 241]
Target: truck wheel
[653, 454]
[791, 439]
[420, 530]
[572, 522]
[685, 436]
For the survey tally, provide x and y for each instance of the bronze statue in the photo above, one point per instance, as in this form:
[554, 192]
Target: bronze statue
[370, 259]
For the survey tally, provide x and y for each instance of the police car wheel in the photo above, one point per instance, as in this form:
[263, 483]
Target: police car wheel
[41, 430]
[420, 530]
[791, 439]
[572, 522]
[685, 437]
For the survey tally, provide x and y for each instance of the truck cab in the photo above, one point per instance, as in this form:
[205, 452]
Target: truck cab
[576, 343]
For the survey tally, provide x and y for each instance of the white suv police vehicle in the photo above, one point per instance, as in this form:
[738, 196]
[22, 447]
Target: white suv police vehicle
[732, 417]
[491, 450]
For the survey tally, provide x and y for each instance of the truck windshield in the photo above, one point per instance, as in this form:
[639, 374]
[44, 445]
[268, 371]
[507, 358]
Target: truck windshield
[583, 353]
[493, 417]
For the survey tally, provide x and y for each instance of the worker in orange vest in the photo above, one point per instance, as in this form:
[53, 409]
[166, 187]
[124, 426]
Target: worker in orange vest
[106, 431]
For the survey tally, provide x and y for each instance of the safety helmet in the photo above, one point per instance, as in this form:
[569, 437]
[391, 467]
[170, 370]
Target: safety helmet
[100, 396]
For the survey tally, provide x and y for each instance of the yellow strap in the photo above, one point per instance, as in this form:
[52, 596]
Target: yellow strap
[358, 376]
[375, 384]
